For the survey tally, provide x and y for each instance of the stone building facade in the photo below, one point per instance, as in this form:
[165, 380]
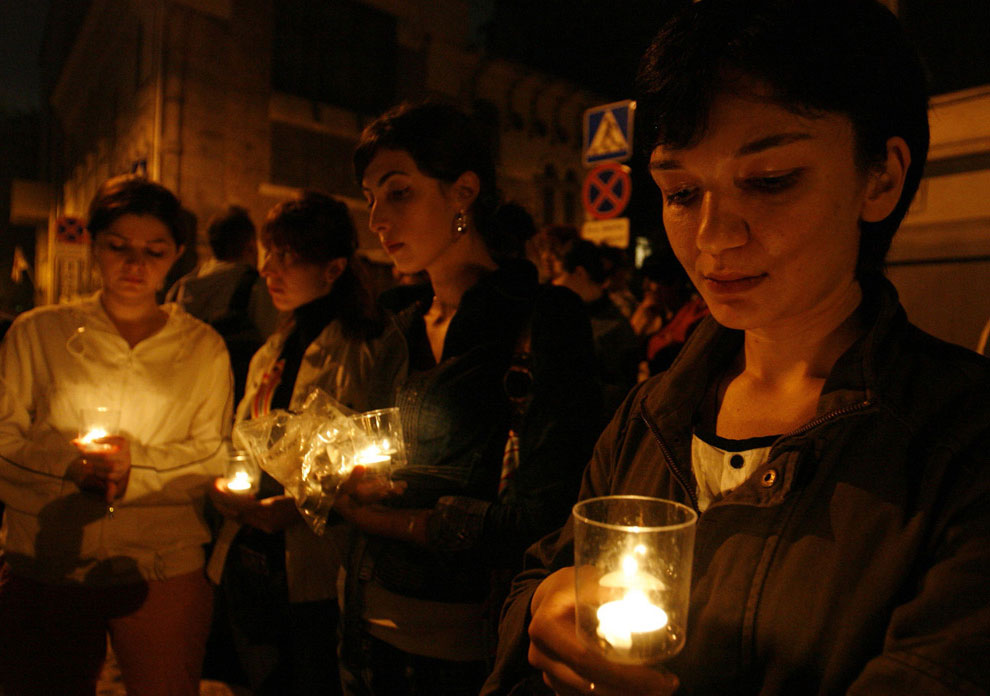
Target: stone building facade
[247, 101]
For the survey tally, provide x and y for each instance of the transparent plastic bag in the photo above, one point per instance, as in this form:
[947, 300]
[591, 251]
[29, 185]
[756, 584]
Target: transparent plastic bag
[309, 453]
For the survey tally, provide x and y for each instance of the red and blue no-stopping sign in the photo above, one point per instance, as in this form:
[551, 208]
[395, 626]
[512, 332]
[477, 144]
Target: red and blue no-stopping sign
[607, 189]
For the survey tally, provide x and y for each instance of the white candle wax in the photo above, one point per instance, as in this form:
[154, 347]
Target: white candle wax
[619, 620]
[634, 613]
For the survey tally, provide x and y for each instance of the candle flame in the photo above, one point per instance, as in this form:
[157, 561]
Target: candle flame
[373, 454]
[240, 482]
[94, 434]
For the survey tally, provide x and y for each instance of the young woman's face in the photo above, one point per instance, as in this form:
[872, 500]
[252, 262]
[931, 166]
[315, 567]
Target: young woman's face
[412, 213]
[292, 282]
[134, 255]
[764, 213]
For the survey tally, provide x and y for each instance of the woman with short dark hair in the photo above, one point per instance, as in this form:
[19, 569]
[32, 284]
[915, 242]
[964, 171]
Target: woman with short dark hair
[498, 405]
[109, 538]
[836, 454]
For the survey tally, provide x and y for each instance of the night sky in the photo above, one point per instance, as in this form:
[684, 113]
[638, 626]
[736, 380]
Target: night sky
[21, 25]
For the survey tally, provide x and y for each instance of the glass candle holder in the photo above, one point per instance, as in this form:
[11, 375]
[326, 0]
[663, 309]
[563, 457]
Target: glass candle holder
[381, 450]
[242, 474]
[633, 559]
[95, 423]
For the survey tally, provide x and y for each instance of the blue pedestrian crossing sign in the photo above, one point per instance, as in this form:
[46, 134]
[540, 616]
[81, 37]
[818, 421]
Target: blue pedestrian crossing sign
[608, 132]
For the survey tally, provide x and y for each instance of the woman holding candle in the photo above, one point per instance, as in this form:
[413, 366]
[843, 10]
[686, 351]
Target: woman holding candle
[280, 578]
[837, 455]
[418, 578]
[74, 573]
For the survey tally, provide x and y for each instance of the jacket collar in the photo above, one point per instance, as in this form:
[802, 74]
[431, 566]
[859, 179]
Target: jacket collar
[855, 378]
[489, 313]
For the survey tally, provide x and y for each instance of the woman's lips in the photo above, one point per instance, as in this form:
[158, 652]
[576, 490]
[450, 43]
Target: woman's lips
[731, 283]
[392, 247]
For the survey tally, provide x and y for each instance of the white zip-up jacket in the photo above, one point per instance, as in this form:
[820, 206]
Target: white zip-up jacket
[173, 391]
[343, 367]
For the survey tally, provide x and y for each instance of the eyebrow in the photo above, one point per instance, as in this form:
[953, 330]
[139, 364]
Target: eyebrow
[750, 148]
[156, 240]
[386, 175]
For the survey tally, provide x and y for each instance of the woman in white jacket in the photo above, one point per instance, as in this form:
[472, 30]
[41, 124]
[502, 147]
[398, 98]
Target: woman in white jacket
[110, 542]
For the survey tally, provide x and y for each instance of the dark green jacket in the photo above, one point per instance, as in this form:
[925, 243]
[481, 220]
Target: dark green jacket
[860, 565]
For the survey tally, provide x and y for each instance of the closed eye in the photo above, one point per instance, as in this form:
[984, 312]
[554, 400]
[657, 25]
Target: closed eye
[398, 194]
[681, 196]
[774, 183]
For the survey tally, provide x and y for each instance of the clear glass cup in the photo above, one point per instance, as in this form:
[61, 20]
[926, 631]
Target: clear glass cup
[242, 475]
[96, 422]
[633, 559]
[381, 449]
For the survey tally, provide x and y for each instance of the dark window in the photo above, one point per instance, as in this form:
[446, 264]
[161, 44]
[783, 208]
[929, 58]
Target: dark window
[339, 53]
[303, 158]
[952, 40]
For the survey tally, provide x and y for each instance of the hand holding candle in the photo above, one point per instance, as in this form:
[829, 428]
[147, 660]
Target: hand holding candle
[634, 556]
[105, 464]
[381, 450]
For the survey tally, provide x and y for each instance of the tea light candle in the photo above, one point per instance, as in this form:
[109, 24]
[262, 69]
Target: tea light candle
[634, 613]
[373, 456]
[89, 444]
[241, 483]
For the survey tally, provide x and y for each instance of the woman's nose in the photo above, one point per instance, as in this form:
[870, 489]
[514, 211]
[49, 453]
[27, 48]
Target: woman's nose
[266, 266]
[377, 222]
[719, 226]
[133, 256]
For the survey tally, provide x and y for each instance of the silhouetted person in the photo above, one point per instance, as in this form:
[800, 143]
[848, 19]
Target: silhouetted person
[227, 292]
[616, 345]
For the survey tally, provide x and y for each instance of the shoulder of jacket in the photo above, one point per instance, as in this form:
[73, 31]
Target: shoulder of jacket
[196, 330]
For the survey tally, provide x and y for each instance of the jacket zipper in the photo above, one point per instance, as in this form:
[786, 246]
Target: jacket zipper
[682, 479]
[814, 423]
[671, 463]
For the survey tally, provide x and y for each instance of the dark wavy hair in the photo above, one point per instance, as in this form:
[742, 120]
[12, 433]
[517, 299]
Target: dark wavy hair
[135, 195]
[319, 229]
[848, 57]
[444, 142]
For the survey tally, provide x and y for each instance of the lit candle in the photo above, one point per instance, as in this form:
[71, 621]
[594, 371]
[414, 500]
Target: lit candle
[241, 482]
[634, 613]
[373, 456]
[89, 444]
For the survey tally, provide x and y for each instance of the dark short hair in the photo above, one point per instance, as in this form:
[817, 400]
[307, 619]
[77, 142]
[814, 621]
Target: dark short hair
[315, 226]
[443, 141]
[512, 226]
[584, 254]
[319, 229]
[229, 232]
[134, 195]
[848, 57]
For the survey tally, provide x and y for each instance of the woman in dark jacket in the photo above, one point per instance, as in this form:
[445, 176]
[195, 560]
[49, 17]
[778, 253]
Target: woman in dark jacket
[837, 455]
[487, 474]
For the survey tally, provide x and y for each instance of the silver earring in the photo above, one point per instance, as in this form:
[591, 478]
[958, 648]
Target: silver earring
[460, 222]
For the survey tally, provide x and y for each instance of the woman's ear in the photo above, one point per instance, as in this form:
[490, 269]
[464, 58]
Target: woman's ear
[466, 189]
[334, 269]
[886, 182]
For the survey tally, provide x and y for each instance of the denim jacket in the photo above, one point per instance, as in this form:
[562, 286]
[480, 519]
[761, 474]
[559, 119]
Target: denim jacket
[456, 419]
